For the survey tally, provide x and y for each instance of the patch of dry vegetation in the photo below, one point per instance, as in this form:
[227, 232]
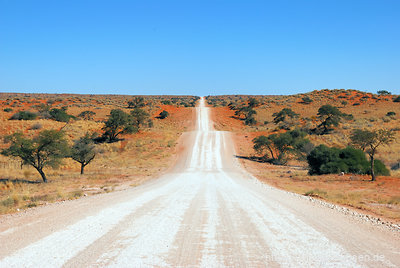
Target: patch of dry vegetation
[370, 111]
[129, 162]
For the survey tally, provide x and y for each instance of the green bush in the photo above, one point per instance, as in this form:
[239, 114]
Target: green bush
[330, 160]
[166, 102]
[24, 115]
[323, 160]
[306, 100]
[384, 92]
[164, 114]
[7, 110]
[60, 115]
[380, 168]
[397, 99]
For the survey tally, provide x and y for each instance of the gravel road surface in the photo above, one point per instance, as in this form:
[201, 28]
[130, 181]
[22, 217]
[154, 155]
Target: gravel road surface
[206, 212]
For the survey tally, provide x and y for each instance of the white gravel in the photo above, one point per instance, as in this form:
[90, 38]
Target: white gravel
[208, 215]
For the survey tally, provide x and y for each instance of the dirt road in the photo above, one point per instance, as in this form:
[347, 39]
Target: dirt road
[207, 212]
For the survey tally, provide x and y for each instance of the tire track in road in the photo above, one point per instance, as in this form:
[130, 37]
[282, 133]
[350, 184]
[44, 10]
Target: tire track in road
[209, 214]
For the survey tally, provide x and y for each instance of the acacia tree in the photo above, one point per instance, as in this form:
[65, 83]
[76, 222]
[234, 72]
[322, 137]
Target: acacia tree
[87, 115]
[285, 117]
[253, 103]
[248, 113]
[164, 114]
[369, 141]
[137, 102]
[46, 149]
[279, 146]
[138, 117]
[118, 123]
[329, 116]
[83, 151]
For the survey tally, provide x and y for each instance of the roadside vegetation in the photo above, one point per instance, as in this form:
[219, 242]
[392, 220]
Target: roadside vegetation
[327, 143]
[58, 147]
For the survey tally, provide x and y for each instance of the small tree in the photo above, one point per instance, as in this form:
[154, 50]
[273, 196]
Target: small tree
[253, 103]
[60, 115]
[285, 118]
[164, 114]
[138, 117]
[264, 145]
[83, 151]
[46, 149]
[24, 115]
[280, 145]
[384, 92]
[87, 115]
[118, 123]
[306, 100]
[369, 141]
[137, 102]
[248, 113]
[329, 116]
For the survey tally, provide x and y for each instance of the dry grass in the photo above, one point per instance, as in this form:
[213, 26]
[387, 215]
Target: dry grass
[380, 198]
[126, 163]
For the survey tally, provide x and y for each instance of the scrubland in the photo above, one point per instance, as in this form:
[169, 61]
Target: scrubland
[128, 162]
[369, 111]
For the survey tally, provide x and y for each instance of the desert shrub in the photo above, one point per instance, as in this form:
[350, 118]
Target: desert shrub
[164, 114]
[395, 166]
[330, 116]
[118, 123]
[60, 115]
[316, 193]
[285, 118]
[397, 99]
[306, 100]
[250, 121]
[87, 115]
[328, 160]
[166, 102]
[390, 114]
[7, 110]
[276, 148]
[380, 168]
[24, 115]
[137, 102]
[36, 126]
[323, 160]
[384, 92]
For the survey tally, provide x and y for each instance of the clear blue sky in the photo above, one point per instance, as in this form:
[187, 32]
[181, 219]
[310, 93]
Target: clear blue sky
[199, 47]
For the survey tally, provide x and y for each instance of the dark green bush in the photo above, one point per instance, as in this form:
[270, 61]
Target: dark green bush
[397, 99]
[166, 102]
[328, 160]
[24, 115]
[87, 115]
[7, 110]
[384, 92]
[306, 100]
[380, 168]
[321, 158]
[164, 114]
[60, 115]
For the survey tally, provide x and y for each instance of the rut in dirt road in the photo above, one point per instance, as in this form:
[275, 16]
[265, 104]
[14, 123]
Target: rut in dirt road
[209, 213]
